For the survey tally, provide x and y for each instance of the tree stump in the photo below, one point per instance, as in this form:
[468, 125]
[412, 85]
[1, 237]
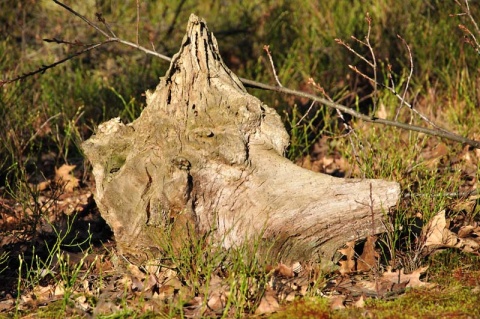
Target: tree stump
[205, 154]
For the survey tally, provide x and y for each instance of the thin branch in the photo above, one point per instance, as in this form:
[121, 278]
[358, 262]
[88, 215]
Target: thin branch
[473, 21]
[90, 23]
[348, 128]
[306, 113]
[104, 22]
[374, 64]
[139, 47]
[472, 39]
[390, 77]
[72, 43]
[474, 43]
[375, 82]
[267, 49]
[402, 101]
[348, 47]
[391, 89]
[49, 66]
[366, 118]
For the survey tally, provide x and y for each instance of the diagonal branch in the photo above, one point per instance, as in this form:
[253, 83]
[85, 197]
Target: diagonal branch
[366, 118]
[87, 21]
[50, 66]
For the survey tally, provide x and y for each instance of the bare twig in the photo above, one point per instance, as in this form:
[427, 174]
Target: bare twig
[267, 49]
[348, 47]
[306, 113]
[469, 14]
[348, 127]
[104, 22]
[390, 77]
[402, 100]
[392, 89]
[374, 64]
[366, 118]
[374, 80]
[139, 47]
[72, 43]
[471, 38]
[49, 66]
[90, 23]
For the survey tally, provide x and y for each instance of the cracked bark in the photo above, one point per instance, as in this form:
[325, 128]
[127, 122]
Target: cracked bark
[205, 154]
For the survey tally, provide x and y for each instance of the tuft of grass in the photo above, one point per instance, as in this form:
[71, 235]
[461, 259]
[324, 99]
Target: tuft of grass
[199, 261]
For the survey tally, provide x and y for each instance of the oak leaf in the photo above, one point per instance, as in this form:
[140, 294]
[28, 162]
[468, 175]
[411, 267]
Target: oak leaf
[347, 265]
[369, 256]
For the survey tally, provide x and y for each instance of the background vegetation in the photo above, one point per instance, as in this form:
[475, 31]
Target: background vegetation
[44, 118]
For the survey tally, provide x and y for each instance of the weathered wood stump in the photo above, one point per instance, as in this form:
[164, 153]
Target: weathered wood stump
[206, 154]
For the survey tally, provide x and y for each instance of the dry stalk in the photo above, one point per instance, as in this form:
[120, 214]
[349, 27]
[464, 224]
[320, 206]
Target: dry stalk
[402, 101]
[267, 49]
[470, 37]
[348, 128]
[374, 80]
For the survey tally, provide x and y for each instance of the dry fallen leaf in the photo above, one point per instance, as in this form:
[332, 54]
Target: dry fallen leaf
[360, 303]
[468, 245]
[347, 265]
[193, 308]
[382, 111]
[64, 178]
[337, 302]
[413, 279]
[165, 292]
[465, 231]
[59, 289]
[136, 272]
[283, 270]
[268, 303]
[82, 303]
[437, 234]
[217, 298]
[7, 305]
[369, 256]
[433, 156]
[42, 185]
